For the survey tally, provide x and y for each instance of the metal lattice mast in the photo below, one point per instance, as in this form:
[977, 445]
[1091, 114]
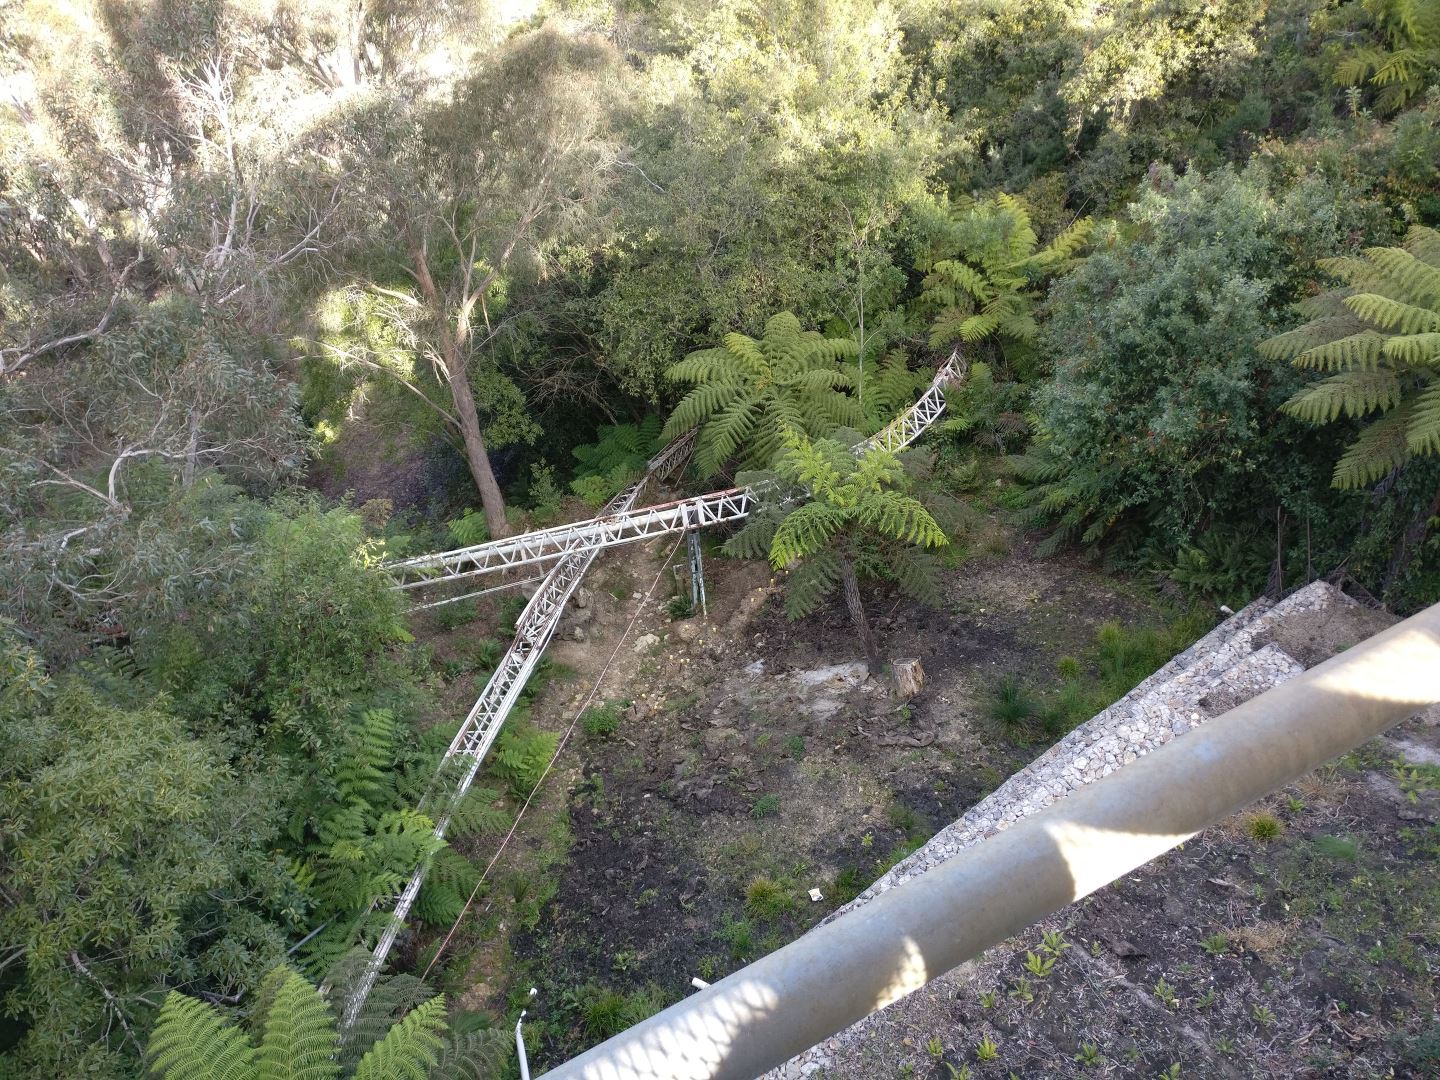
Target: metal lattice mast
[533, 631]
[623, 525]
[537, 623]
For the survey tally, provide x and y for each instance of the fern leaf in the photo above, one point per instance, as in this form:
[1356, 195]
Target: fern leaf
[1313, 334]
[410, 1049]
[192, 1041]
[901, 517]
[1358, 352]
[1392, 315]
[1351, 393]
[805, 531]
[1422, 433]
[1414, 350]
[809, 582]
[1378, 449]
[1418, 281]
[299, 1040]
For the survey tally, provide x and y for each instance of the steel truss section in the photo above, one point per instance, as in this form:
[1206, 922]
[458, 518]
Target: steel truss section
[537, 623]
[533, 631]
[625, 526]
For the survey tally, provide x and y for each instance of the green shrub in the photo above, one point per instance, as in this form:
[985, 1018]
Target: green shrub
[1161, 415]
[601, 721]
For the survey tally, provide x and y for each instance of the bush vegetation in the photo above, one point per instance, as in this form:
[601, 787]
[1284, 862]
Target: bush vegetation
[458, 266]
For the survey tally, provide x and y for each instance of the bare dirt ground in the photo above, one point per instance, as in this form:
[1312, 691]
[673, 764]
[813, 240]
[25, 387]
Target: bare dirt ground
[752, 763]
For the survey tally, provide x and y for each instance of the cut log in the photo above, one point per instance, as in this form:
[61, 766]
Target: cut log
[909, 676]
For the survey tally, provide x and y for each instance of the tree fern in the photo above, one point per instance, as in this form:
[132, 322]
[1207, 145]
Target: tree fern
[744, 392]
[299, 1040]
[410, 1049]
[981, 270]
[1383, 356]
[192, 1041]
[860, 521]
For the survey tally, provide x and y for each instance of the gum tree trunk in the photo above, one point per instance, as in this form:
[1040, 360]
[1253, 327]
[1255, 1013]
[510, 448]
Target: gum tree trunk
[492, 501]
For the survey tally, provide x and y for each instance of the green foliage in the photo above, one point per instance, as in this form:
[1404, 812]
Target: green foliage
[468, 529]
[363, 845]
[982, 266]
[765, 899]
[765, 806]
[1263, 827]
[606, 1012]
[1407, 61]
[521, 756]
[859, 510]
[616, 458]
[1161, 411]
[987, 410]
[1225, 564]
[127, 840]
[298, 1040]
[1011, 704]
[601, 721]
[1378, 337]
[747, 393]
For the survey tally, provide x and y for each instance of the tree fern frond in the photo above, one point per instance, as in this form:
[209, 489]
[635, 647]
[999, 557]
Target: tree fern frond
[192, 1041]
[1418, 281]
[1424, 243]
[1392, 315]
[917, 573]
[809, 582]
[1414, 350]
[1351, 393]
[299, 1041]
[1358, 352]
[1378, 449]
[723, 433]
[805, 531]
[1422, 433]
[474, 1055]
[902, 517]
[410, 1049]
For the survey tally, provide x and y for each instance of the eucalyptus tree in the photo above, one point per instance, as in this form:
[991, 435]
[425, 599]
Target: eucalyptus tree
[464, 189]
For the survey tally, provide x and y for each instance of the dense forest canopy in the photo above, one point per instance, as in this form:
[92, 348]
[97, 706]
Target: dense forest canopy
[287, 286]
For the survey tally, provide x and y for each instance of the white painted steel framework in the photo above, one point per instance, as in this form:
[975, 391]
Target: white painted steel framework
[625, 526]
[533, 631]
[577, 546]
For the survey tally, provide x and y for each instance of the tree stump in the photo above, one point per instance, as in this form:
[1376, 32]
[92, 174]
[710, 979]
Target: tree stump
[909, 676]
